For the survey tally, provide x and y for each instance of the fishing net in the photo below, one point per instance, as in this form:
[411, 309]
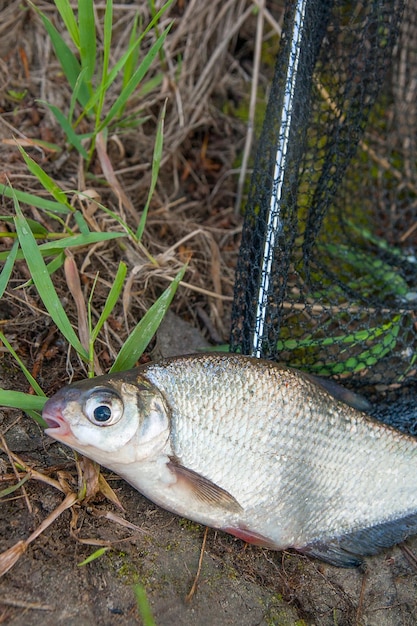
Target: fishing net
[326, 278]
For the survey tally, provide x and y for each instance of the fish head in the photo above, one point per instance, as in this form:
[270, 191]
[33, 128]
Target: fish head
[110, 419]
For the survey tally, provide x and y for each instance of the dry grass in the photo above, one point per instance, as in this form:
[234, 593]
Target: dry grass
[207, 67]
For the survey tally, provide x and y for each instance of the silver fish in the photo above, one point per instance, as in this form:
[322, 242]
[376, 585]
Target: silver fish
[263, 452]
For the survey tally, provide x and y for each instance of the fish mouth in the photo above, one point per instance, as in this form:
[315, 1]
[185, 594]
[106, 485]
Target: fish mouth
[52, 422]
[58, 428]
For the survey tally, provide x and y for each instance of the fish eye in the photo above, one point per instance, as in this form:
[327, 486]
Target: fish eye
[103, 407]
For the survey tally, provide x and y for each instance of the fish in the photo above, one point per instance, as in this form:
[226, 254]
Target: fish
[274, 456]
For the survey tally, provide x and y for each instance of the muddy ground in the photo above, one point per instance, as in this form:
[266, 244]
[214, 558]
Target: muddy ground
[194, 204]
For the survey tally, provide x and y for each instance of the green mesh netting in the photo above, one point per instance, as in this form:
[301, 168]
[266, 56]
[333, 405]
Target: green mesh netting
[334, 289]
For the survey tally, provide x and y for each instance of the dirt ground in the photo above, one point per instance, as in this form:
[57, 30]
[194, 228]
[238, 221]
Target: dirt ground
[194, 205]
[238, 583]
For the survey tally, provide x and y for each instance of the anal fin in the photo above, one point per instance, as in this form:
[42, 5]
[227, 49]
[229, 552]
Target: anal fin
[203, 488]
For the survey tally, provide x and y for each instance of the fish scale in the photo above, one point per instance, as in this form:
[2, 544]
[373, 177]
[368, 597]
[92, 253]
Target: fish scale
[262, 451]
[332, 451]
[192, 425]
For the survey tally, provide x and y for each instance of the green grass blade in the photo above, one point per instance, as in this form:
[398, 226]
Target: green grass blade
[69, 20]
[67, 59]
[79, 85]
[133, 57]
[45, 180]
[81, 223]
[157, 16]
[142, 334]
[95, 555]
[8, 267]
[111, 300]
[12, 488]
[153, 13]
[122, 61]
[78, 240]
[143, 606]
[108, 27]
[43, 282]
[31, 199]
[114, 215]
[58, 262]
[156, 162]
[35, 227]
[135, 80]
[52, 267]
[51, 248]
[103, 88]
[32, 382]
[73, 138]
[20, 400]
[37, 418]
[150, 85]
[87, 30]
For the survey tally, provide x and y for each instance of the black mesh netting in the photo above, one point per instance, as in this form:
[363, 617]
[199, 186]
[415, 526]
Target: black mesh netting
[337, 161]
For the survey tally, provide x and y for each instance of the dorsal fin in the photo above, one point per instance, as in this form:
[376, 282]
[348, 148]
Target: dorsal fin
[355, 400]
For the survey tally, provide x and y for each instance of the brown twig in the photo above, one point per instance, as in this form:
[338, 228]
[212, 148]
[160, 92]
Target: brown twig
[23, 604]
[74, 284]
[410, 556]
[193, 589]
[41, 354]
[10, 455]
[33, 473]
[361, 599]
[10, 557]
[252, 104]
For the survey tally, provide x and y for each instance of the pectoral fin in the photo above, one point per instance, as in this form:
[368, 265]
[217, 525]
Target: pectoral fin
[203, 488]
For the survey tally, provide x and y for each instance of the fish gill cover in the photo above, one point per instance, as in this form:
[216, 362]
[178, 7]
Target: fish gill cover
[326, 278]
